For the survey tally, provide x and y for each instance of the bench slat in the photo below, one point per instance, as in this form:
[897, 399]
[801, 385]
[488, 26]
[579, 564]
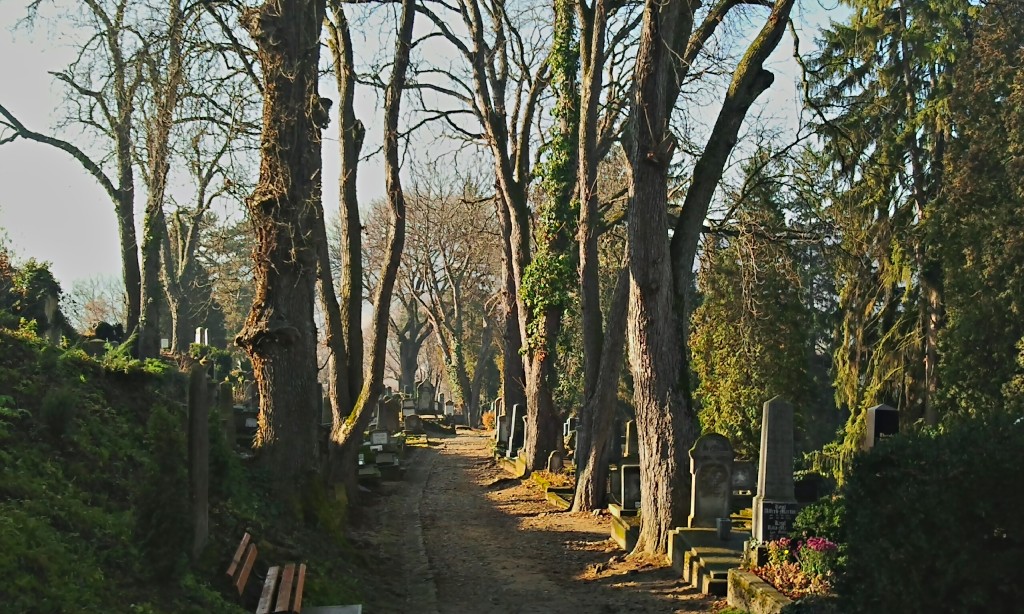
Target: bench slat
[300, 581]
[268, 591]
[243, 575]
[284, 590]
[237, 559]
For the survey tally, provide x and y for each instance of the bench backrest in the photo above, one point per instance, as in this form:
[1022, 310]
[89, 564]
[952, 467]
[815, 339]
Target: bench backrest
[282, 592]
[241, 564]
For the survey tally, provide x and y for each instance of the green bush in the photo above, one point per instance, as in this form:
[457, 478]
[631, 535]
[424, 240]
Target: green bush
[932, 521]
[823, 518]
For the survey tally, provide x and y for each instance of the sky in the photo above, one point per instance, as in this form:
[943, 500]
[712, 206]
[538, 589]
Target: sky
[50, 209]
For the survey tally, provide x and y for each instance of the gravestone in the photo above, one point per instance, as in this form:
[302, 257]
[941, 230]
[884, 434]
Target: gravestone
[226, 410]
[711, 461]
[744, 476]
[414, 424]
[631, 449]
[408, 407]
[880, 421]
[570, 426]
[629, 486]
[391, 415]
[449, 409]
[502, 429]
[425, 398]
[379, 438]
[517, 431]
[775, 505]
[556, 462]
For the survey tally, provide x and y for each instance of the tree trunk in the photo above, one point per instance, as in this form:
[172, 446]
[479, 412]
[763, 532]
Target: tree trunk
[347, 436]
[664, 423]
[598, 414]
[280, 333]
[513, 376]
[350, 141]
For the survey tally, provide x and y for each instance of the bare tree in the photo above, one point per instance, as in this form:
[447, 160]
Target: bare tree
[102, 83]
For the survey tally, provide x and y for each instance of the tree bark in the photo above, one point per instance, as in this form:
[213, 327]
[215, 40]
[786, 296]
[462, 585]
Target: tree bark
[280, 334]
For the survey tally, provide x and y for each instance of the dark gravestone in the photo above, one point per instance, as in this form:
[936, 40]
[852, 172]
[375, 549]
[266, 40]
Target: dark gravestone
[226, 411]
[629, 486]
[880, 421]
[414, 425]
[517, 430]
[810, 487]
[502, 427]
[390, 417]
[711, 470]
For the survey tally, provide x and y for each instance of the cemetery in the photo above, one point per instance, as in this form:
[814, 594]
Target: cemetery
[511, 306]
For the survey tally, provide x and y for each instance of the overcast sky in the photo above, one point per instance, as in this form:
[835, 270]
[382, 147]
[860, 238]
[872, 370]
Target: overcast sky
[52, 210]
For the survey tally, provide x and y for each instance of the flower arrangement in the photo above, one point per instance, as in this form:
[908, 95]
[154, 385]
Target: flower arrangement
[800, 568]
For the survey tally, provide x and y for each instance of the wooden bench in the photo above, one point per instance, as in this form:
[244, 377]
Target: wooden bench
[282, 586]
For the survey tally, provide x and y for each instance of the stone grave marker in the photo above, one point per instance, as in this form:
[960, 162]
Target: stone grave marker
[389, 418]
[711, 461]
[408, 407]
[501, 429]
[569, 426]
[880, 421]
[775, 505]
[556, 462]
[744, 476]
[425, 398]
[627, 485]
[517, 430]
[414, 424]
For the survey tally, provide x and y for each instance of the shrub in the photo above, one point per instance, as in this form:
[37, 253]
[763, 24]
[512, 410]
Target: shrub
[488, 420]
[823, 518]
[818, 557]
[932, 520]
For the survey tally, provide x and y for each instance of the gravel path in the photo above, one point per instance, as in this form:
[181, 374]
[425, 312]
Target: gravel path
[459, 536]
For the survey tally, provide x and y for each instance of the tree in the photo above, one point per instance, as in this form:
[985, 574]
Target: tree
[347, 433]
[977, 228]
[752, 331]
[452, 257]
[881, 86]
[103, 79]
[280, 334]
[660, 271]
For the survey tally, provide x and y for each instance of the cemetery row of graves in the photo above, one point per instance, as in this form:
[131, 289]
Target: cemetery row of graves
[771, 539]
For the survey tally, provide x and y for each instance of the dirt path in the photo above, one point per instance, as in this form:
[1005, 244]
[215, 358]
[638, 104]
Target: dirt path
[458, 536]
